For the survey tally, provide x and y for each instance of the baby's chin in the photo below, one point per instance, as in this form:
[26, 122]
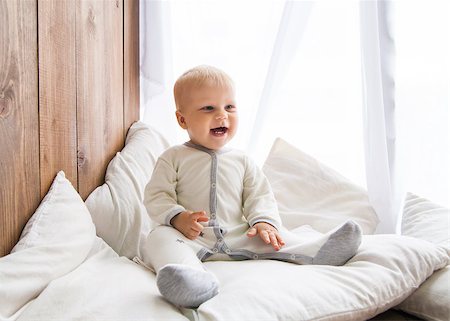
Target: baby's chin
[214, 142]
[215, 145]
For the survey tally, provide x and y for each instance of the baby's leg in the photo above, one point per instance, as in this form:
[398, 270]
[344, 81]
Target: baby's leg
[304, 246]
[180, 276]
[333, 248]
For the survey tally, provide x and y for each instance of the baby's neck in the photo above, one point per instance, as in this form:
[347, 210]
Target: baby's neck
[192, 144]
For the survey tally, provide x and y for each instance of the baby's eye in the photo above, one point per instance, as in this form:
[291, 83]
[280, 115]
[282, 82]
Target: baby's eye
[230, 107]
[208, 108]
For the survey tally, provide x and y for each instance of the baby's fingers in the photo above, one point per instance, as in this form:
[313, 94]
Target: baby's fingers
[280, 240]
[252, 232]
[265, 236]
[196, 227]
[274, 241]
[193, 233]
[199, 217]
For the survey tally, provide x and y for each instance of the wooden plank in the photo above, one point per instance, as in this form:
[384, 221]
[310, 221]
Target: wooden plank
[99, 88]
[19, 122]
[131, 62]
[57, 91]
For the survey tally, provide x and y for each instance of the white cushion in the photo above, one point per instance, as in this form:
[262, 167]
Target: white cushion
[310, 193]
[55, 241]
[428, 221]
[431, 301]
[105, 287]
[385, 270]
[117, 206]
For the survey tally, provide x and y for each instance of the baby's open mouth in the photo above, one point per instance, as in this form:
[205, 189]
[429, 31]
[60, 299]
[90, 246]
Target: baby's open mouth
[219, 131]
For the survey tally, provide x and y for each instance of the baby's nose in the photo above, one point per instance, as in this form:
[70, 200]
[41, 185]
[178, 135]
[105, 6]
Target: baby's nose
[221, 115]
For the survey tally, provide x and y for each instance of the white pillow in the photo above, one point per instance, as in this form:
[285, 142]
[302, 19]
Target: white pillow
[117, 206]
[310, 193]
[105, 287]
[55, 241]
[428, 221]
[385, 270]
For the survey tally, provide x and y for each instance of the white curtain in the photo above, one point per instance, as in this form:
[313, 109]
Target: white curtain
[156, 67]
[406, 88]
[297, 65]
[292, 26]
[378, 57]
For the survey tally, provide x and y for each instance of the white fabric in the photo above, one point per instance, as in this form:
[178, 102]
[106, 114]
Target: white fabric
[166, 245]
[428, 221]
[290, 32]
[156, 68]
[182, 180]
[431, 300]
[55, 241]
[104, 287]
[386, 269]
[379, 111]
[117, 206]
[310, 193]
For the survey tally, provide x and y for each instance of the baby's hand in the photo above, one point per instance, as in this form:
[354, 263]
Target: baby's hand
[187, 223]
[268, 233]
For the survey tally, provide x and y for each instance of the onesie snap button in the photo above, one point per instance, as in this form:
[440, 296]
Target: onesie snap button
[215, 250]
[213, 215]
[228, 251]
[255, 256]
[213, 185]
[293, 256]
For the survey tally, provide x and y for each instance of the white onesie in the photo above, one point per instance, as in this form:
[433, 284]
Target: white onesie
[235, 194]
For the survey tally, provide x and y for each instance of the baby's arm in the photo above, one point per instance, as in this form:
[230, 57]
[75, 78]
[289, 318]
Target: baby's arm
[260, 207]
[187, 222]
[160, 200]
[268, 233]
[160, 196]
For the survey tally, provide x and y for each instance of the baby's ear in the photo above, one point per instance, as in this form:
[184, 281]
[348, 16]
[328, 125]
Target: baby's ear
[181, 120]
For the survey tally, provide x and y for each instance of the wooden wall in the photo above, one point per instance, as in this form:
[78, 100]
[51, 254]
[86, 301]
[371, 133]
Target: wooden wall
[69, 90]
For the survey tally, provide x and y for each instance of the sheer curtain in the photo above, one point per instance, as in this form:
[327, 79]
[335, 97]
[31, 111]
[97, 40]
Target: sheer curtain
[406, 81]
[156, 67]
[290, 31]
[377, 46]
[321, 75]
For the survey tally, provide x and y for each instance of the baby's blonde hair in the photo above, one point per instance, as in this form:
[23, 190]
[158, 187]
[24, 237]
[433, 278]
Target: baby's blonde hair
[197, 77]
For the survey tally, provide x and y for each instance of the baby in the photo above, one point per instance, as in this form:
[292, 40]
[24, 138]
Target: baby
[214, 203]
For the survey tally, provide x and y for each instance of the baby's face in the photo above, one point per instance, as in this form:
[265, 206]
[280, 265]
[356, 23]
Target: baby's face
[209, 115]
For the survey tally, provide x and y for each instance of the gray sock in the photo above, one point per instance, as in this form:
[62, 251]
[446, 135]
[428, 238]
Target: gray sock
[341, 246]
[185, 286]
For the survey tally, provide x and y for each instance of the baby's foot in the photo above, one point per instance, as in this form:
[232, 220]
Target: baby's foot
[341, 245]
[185, 286]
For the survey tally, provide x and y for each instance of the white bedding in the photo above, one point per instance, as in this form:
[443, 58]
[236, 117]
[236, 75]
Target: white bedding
[108, 287]
[60, 271]
[105, 287]
[386, 269]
